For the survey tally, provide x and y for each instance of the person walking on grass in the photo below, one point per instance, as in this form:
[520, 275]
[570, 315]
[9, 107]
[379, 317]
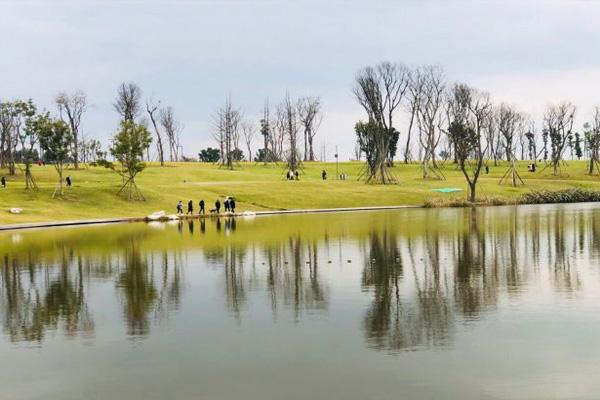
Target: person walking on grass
[232, 204]
[180, 208]
[68, 181]
[190, 210]
[218, 206]
[201, 204]
[324, 175]
[3, 182]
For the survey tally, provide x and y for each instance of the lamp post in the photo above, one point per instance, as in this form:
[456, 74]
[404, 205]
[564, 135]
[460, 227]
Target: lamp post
[337, 172]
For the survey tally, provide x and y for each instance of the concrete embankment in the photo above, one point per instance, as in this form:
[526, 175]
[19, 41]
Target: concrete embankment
[141, 219]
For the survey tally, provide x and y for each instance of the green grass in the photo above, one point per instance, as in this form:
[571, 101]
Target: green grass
[256, 187]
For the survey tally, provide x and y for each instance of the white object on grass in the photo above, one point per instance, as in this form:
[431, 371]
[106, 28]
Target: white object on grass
[15, 210]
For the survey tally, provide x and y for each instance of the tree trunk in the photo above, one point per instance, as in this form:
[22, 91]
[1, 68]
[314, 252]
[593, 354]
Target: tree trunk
[407, 149]
[472, 186]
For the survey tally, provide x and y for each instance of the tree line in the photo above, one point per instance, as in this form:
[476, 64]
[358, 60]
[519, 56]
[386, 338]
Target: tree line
[457, 123]
[29, 135]
[294, 123]
[445, 122]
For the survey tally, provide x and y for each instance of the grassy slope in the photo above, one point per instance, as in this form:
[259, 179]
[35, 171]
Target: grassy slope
[255, 187]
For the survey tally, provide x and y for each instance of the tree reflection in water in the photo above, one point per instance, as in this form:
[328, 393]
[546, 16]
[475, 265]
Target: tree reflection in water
[37, 300]
[421, 283]
[148, 291]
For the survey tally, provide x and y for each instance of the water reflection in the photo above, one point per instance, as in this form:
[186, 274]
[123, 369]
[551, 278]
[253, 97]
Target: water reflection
[422, 280]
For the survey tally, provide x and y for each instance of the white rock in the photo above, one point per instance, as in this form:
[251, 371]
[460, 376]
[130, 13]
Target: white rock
[156, 215]
[15, 210]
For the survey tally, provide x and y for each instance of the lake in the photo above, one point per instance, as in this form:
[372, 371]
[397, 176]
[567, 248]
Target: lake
[493, 303]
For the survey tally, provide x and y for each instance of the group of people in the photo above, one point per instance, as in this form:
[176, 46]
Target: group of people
[228, 205]
[68, 180]
[293, 175]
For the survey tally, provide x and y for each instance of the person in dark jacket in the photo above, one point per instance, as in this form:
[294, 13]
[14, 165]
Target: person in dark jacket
[3, 182]
[218, 206]
[324, 175]
[190, 209]
[201, 204]
[68, 181]
[232, 205]
[226, 204]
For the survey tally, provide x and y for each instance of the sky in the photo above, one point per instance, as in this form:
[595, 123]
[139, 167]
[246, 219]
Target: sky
[191, 55]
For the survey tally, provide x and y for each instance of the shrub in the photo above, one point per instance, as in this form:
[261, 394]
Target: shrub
[575, 195]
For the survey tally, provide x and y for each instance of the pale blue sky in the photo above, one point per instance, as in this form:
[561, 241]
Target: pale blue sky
[191, 55]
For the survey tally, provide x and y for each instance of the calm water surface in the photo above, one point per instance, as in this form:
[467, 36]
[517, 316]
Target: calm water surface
[498, 303]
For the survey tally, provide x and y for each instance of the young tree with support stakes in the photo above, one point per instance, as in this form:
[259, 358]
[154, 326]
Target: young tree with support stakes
[287, 115]
[558, 125]
[128, 147]
[34, 125]
[371, 137]
[380, 90]
[509, 122]
[55, 139]
[429, 116]
[469, 111]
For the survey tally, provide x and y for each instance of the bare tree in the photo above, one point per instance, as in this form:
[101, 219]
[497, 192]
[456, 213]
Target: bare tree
[227, 131]
[128, 100]
[72, 107]
[248, 131]
[558, 125]
[509, 122]
[287, 115]
[379, 90]
[278, 134]
[152, 108]
[429, 116]
[310, 116]
[415, 88]
[266, 130]
[172, 129]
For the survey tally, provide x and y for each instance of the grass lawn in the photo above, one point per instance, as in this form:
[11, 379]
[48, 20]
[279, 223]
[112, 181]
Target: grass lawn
[255, 187]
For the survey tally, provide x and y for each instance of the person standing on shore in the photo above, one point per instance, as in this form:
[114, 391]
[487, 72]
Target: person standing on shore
[180, 208]
[226, 204]
[218, 206]
[190, 210]
[201, 204]
[232, 204]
